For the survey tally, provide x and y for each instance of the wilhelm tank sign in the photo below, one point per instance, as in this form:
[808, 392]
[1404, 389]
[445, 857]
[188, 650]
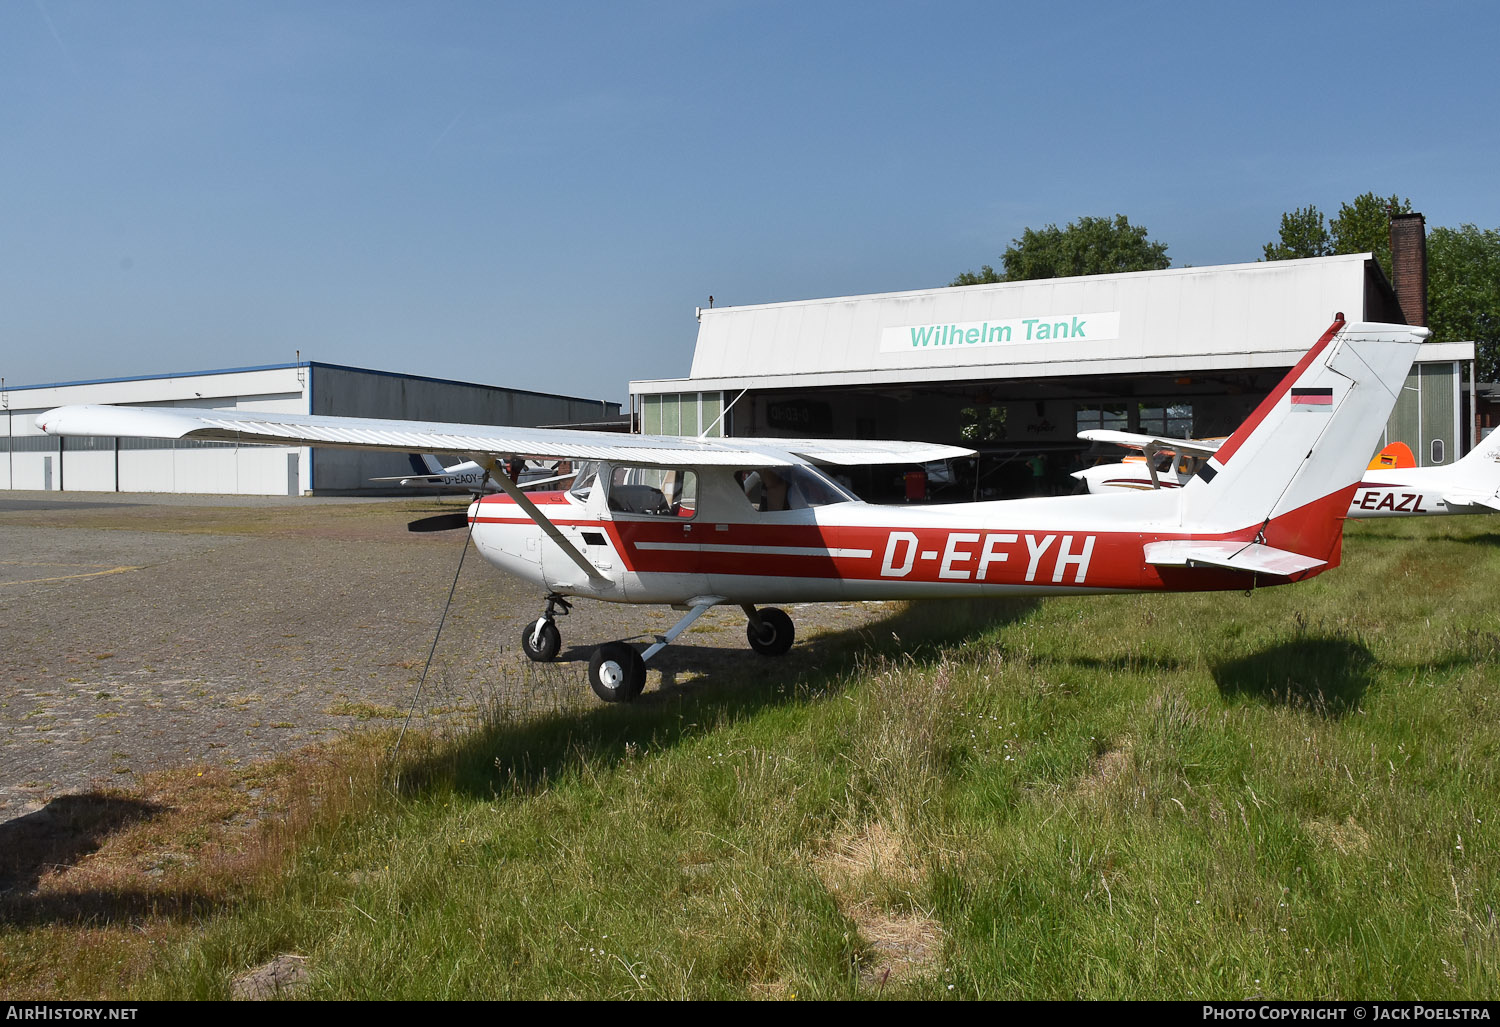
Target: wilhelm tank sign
[943, 339]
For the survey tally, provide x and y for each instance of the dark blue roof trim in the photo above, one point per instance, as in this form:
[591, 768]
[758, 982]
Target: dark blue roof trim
[453, 381]
[312, 364]
[149, 377]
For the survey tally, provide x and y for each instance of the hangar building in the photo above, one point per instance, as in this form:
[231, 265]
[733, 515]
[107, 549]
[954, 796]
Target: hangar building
[33, 460]
[1017, 369]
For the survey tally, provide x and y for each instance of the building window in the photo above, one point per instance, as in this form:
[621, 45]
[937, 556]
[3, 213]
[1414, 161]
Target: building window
[1114, 416]
[682, 413]
[1174, 420]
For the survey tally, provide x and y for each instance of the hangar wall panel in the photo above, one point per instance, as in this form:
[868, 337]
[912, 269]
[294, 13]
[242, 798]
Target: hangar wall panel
[34, 461]
[155, 465]
[147, 470]
[93, 468]
[354, 392]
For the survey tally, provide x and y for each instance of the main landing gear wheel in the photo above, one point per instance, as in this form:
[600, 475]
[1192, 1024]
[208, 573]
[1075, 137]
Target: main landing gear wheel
[541, 640]
[774, 635]
[616, 672]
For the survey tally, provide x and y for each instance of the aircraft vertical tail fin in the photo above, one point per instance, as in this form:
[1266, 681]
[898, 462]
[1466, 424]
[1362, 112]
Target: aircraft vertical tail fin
[1287, 474]
[1393, 457]
[1474, 481]
[1484, 459]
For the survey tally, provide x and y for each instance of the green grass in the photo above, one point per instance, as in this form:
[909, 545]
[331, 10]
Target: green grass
[1291, 794]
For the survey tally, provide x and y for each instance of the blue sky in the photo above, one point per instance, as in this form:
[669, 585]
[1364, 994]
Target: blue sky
[538, 195]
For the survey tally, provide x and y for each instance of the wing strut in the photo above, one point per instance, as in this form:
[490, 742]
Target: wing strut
[499, 477]
[1150, 451]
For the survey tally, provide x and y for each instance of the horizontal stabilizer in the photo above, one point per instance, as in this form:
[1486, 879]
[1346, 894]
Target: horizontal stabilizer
[1234, 556]
[1457, 498]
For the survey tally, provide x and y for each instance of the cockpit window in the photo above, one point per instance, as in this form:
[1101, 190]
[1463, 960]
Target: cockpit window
[656, 491]
[769, 489]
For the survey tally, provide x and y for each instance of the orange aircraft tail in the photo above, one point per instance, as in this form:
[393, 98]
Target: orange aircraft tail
[1397, 454]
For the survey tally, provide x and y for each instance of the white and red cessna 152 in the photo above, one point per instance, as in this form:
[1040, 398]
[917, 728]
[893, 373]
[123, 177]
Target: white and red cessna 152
[701, 522]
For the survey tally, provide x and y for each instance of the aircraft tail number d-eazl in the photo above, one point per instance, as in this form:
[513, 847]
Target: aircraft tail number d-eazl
[699, 522]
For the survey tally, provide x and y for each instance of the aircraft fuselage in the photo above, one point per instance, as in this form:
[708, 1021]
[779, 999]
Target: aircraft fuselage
[723, 546]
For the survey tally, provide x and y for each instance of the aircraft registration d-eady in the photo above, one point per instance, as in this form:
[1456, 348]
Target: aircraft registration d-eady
[702, 522]
[428, 472]
[1467, 486]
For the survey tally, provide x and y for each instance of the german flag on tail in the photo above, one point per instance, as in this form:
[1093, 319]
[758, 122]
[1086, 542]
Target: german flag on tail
[1312, 401]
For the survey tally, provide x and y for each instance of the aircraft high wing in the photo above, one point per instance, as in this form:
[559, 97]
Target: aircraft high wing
[699, 522]
[1467, 486]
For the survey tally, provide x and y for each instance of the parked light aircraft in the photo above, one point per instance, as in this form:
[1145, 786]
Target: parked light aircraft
[702, 522]
[1470, 485]
[1168, 463]
[428, 472]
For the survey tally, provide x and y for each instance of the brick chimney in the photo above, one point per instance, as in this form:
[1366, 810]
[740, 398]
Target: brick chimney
[1409, 265]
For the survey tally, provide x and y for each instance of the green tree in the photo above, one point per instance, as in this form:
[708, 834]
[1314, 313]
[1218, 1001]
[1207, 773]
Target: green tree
[1463, 292]
[1304, 233]
[1088, 246]
[1364, 226]
[986, 275]
[982, 424]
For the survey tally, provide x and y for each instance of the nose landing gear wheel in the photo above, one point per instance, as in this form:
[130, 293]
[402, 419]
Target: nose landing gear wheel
[541, 640]
[774, 636]
[616, 672]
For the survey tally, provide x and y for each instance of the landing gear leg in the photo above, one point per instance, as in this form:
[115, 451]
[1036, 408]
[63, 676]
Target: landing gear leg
[540, 639]
[617, 672]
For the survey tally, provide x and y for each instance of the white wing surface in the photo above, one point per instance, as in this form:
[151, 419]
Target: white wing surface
[250, 427]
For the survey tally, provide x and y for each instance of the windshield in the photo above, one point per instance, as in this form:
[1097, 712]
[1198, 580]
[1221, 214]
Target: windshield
[769, 489]
[588, 475]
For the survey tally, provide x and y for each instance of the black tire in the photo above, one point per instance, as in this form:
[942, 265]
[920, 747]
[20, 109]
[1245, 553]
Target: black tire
[548, 642]
[775, 635]
[616, 672]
